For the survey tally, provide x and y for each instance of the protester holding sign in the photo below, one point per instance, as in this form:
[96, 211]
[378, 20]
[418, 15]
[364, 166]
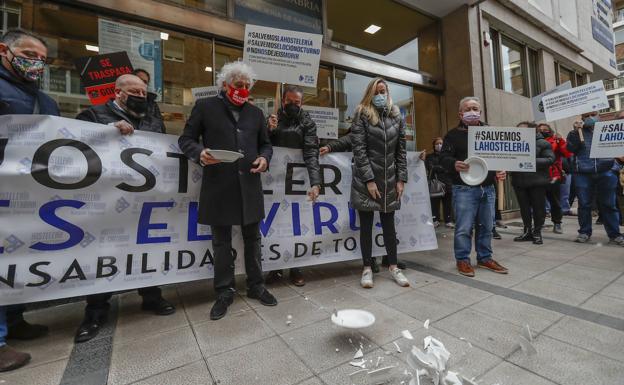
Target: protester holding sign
[23, 56]
[593, 176]
[127, 112]
[231, 193]
[530, 189]
[293, 128]
[379, 173]
[473, 205]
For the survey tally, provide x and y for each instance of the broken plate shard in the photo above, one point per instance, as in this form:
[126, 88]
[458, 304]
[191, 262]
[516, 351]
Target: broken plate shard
[526, 333]
[407, 334]
[398, 348]
[426, 324]
[358, 354]
[359, 364]
[381, 375]
[452, 378]
[526, 346]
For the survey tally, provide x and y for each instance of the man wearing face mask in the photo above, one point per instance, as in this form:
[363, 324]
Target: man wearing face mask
[293, 128]
[152, 107]
[127, 112]
[23, 56]
[593, 176]
[473, 205]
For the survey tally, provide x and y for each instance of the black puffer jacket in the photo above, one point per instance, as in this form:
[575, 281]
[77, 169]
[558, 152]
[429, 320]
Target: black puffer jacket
[299, 132]
[342, 144]
[379, 155]
[110, 113]
[544, 157]
[435, 168]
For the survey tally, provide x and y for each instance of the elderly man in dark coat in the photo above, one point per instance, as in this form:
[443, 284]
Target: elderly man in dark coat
[231, 193]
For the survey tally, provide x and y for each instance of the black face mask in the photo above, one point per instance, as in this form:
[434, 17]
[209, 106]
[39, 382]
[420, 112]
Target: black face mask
[136, 104]
[292, 110]
[546, 134]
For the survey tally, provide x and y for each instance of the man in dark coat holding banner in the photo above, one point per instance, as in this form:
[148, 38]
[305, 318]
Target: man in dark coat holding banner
[231, 192]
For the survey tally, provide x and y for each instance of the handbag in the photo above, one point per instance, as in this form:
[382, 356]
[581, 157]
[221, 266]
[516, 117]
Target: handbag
[437, 189]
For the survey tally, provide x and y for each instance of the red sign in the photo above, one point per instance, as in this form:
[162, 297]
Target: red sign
[99, 73]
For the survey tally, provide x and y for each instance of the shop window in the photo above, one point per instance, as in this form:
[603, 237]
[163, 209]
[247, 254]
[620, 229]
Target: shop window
[515, 67]
[173, 49]
[10, 13]
[212, 6]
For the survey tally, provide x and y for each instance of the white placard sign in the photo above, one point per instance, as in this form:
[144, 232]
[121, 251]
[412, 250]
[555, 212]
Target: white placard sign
[280, 55]
[326, 120]
[538, 104]
[575, 101]
[608, 140]
[503, 148]
[204, 92]
[85, 210]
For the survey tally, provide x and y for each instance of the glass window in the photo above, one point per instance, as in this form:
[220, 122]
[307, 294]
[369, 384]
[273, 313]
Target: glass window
[611, 99]
[580, 79]
[322, 94]
[620, 65]
[9, 15]
[213, 6]
[496, 57]
[534, 72]
[565, 75]
[173, 49]
[513, 66]
[619, 36]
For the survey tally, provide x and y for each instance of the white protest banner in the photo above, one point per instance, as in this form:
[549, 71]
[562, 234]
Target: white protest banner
[204, 92]
[143, 47]
[608, 140]
[85, 210]
[326, 120]
[280, 55]
[503, 148]
[538, 104]
[575, 101]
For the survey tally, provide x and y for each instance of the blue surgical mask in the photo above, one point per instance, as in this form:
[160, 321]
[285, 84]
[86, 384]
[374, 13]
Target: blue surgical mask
[590, 121]
[380, 100]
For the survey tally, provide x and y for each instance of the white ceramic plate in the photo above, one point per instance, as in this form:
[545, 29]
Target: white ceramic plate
[225, 156]
[353, 318]
[477, 172]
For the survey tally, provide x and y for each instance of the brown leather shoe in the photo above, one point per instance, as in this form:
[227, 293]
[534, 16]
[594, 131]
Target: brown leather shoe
[11, 359]
[494, 266]
[465, 268]
[296, 277]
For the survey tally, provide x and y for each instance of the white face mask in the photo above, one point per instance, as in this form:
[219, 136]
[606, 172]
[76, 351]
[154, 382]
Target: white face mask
[471, 116]
[438, 147]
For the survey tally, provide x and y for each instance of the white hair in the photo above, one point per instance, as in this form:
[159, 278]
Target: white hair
[234, 71]
[468, 99]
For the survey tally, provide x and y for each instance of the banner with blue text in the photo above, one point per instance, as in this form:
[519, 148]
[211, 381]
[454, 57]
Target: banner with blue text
[85, 210]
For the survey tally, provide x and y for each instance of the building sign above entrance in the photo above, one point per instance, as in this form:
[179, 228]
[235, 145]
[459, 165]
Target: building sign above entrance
[295, 15]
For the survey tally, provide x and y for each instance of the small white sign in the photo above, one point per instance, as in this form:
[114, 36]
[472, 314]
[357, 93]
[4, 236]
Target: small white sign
[326, 120]
[608, 140]
[280, 55]
[204, 92]
[575, 101]
[538, 104]
[503, 148]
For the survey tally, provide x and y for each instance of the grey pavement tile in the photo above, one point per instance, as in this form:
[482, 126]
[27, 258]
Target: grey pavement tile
[419, 279]
[324, 345]
[195, 373]
[302, 312]
[530, 264]
[268, 362]
[614, 290]
[340, 374]
[89, 362]
[52, 347]
[579, 277]
[312, 381]
[280, 290]
[491, 334]
[590, 336]
[517, 313]
[231, 332]
[553, 291]
[566, 364]
[607, 258]
[133, 323]
[388, 324]
[198, 297]
[144, 358]
[58, 317]
[605, 305]
[509, 374]
[559, 251]
[47, 374]
[456, 292]
[466, 359]
[339, 297]
[317, 281]
[514, 277]
[424, 306]
[384, 288]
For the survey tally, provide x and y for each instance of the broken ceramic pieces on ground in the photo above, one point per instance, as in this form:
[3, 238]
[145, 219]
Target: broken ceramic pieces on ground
[525, 340]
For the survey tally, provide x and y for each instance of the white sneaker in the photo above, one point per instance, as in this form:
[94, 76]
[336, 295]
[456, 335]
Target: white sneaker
[367, 279]
[399, 277]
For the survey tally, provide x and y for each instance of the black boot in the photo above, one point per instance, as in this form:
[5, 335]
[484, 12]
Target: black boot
[537, 236]
[527, 235]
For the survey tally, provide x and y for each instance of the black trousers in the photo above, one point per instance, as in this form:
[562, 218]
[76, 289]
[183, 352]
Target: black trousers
[532, 205]
[553, 194]
[366, 236]
[224, 257]
[98, 304]
[447, 206]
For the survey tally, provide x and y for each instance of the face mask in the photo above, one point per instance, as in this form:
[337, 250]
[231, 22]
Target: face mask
[471, 116]
[546, 134]
[238, 96]
[438, 147]
[136, 104]
[380, 100]
[28, 69]
[590, 121]
[291, 110]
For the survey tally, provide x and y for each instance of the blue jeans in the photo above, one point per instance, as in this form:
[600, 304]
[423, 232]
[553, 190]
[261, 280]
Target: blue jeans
[604, 186]
[564, 198]
[4, 329]
[474, 206]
